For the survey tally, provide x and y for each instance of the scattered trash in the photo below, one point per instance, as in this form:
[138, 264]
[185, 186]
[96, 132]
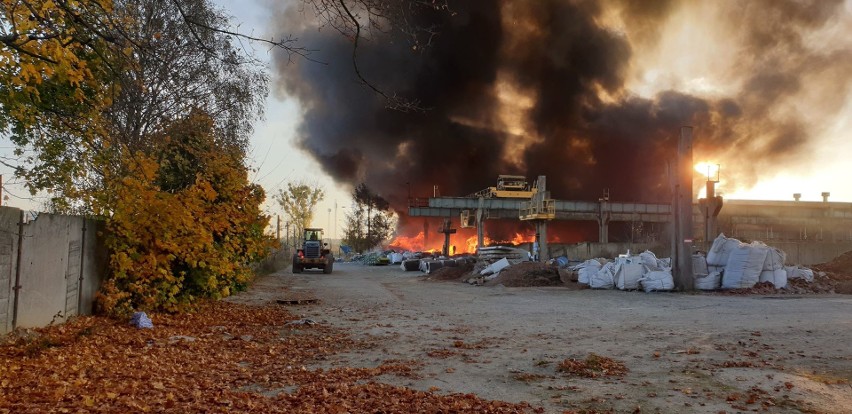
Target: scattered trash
[495, 267]
[141, 321]
[178, 338]
[304, 321]
[296, 301]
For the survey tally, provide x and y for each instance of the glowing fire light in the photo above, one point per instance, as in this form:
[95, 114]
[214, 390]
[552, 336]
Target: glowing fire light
[707, 169]
[418, 244]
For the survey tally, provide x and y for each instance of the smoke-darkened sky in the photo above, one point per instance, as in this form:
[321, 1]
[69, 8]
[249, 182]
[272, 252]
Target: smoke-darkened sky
[591, 94]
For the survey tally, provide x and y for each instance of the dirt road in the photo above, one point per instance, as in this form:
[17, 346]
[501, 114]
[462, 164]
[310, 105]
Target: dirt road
[683, 352]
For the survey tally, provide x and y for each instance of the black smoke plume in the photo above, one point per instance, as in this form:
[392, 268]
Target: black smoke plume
[582, 128]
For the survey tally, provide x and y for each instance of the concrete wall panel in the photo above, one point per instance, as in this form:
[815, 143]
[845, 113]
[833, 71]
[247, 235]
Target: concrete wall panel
[44, 265]
[9, 218]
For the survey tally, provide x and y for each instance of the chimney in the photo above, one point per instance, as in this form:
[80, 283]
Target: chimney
[825, 196]
[797, 196]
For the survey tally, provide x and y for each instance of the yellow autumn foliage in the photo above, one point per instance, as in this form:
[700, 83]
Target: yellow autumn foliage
[185, 223]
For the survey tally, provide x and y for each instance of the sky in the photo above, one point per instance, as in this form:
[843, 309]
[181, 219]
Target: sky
[686, 59]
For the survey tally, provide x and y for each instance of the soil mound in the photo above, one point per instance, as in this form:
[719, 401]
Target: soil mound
[451, 273]
[527, 274]
[839, 271]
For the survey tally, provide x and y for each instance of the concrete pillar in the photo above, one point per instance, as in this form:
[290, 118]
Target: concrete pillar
[541, 238]
[603, 221]
[480, 225]
[603, 230]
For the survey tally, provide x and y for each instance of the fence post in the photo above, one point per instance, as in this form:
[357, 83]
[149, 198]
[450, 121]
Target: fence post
[17, 288]
[82, 266]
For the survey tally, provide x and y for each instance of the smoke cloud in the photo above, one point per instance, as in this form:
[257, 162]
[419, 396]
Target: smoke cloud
[591, 94]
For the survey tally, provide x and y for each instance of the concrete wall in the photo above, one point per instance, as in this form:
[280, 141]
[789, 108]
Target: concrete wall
[584, 251]
[59, 266]
[9, 218]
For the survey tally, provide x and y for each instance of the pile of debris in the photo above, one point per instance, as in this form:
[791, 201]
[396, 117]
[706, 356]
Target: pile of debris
[491, 261]
[372, 259]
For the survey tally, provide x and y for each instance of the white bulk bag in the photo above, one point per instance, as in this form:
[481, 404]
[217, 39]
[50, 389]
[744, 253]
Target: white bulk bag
[658, 280]
[699, 265]
[777, 277]
[627, 275]
[603, 279]
[775, 259]
[586, 270]
[710, 282]
[744, 266]
[795, 272]
[721, 250]
[649, 260]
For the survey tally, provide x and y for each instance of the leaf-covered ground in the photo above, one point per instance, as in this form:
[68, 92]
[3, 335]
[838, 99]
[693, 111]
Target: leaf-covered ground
[223, 358]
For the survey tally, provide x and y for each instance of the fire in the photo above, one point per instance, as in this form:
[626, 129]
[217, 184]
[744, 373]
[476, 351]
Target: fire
[707, 169]
[412, 244]
[464, 241]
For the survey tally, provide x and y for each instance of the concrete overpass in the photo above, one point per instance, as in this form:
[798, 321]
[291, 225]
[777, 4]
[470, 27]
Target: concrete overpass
[749, 219]
[602, 212]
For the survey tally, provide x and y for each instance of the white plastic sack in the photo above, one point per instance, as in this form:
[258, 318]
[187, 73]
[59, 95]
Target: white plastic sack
[628, 273]
[710, 282]
[795, 272]
[586, 270]
[716, 269]
[603, 279]
[658, 280]
[777, 277]
[665, 263]
[775, 259]
[744, 266]
[721, 250]
[699, 265]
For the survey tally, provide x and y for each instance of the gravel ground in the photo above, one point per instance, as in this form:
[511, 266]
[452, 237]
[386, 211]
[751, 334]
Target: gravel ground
[682, 352]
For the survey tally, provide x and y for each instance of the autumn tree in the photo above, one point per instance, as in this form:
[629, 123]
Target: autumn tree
[185, 225]
[370, 222]
[298, 202]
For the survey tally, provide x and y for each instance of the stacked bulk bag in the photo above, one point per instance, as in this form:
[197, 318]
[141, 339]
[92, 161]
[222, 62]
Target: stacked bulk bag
[721, 250]
[773, 268]
[649, 260]
[745, 263]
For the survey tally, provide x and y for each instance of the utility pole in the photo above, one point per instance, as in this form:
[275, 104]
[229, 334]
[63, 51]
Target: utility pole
[278, 228]
[682, 210]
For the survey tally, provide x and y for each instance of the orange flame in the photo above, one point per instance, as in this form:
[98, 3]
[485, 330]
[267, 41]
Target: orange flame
[418, 243]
